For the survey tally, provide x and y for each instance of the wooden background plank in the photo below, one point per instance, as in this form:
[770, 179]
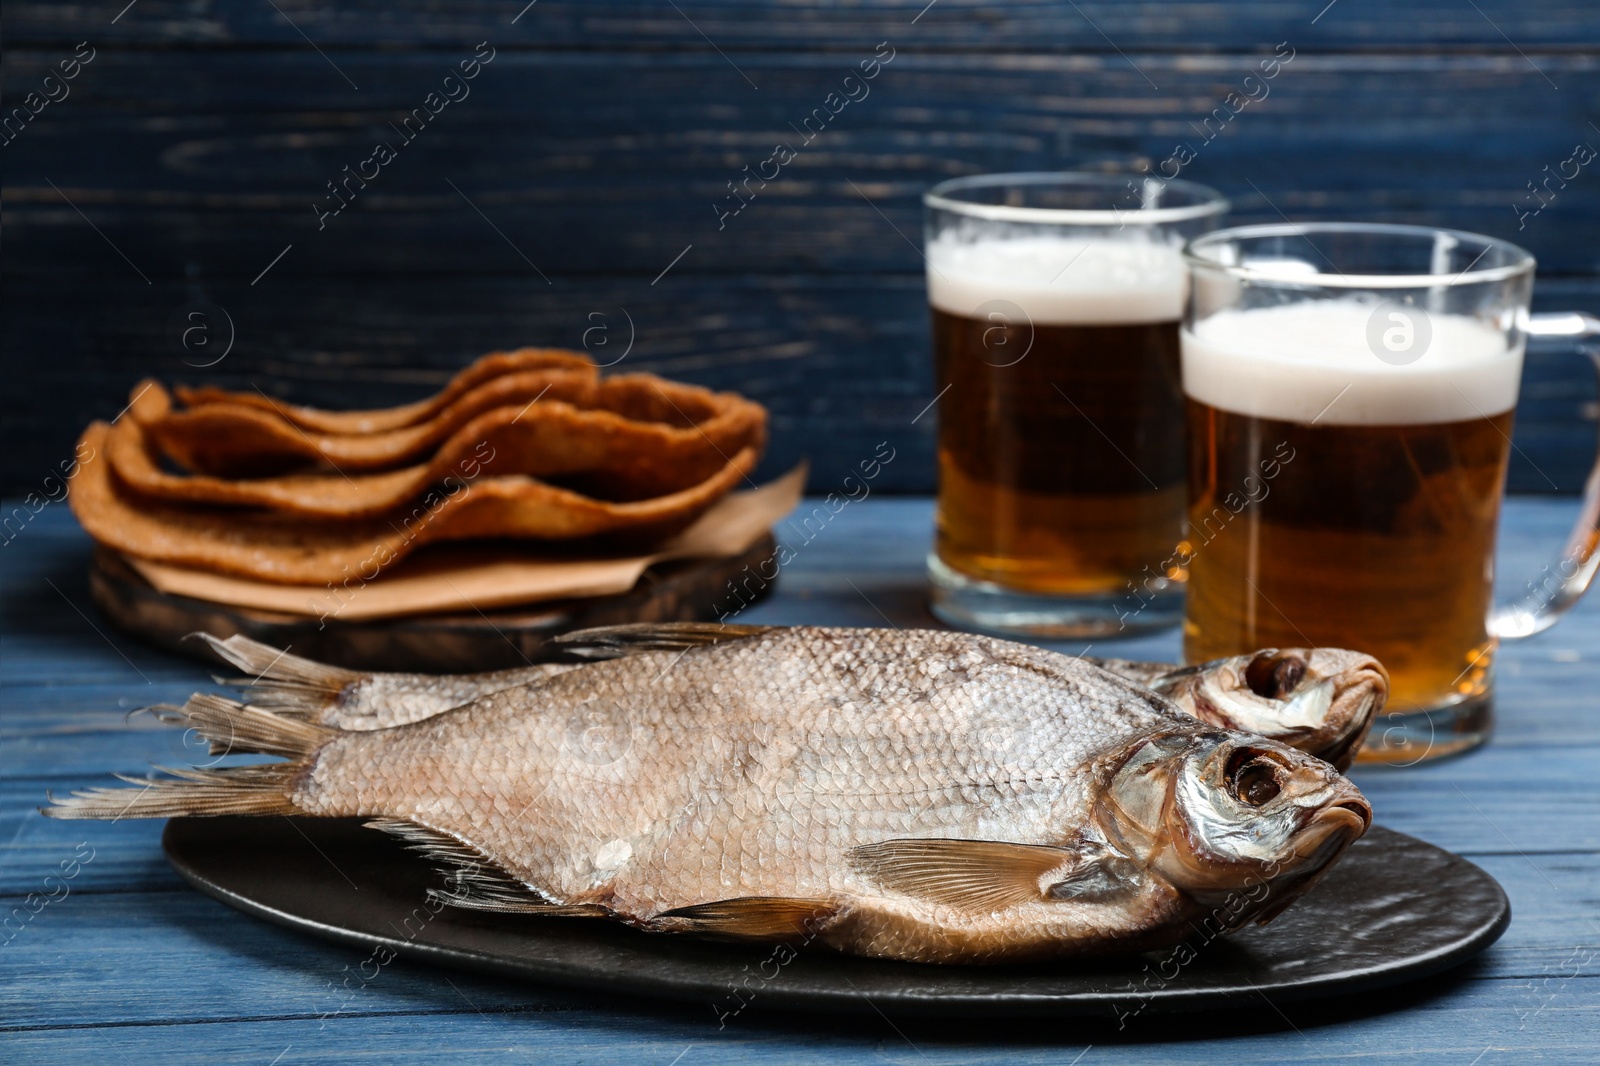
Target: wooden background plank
[964, 25]
[602, 137]
[841, 362]
[222, 161]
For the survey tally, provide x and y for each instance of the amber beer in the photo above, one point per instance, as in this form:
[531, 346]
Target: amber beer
[1340, 500]
[1061, 423]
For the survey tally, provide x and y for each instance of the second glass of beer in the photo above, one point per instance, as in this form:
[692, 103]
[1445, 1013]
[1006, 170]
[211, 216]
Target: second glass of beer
[1056, 301]
[1350, 396]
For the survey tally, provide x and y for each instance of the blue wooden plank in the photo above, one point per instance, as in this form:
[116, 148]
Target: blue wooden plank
[1523, 807]
[276, 983]
[843, 363]
[1091, 26]
[179, 941]
[1447, 1032]
[840, 362]
[624, 175]
[125, 857]
[1449, 139]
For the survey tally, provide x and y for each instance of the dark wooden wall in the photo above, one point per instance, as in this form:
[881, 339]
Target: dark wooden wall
[189, 152]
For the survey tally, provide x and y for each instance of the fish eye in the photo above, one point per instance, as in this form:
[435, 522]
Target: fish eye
[1273, 676]
[1255, 777]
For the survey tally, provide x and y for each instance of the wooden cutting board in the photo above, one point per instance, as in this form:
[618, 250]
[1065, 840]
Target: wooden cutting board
[693, 590]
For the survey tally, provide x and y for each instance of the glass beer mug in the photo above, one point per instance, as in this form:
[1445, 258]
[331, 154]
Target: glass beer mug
[1055, 301]
[1349, 392]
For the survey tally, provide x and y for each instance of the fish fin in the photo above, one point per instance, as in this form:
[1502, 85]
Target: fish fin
[231, 728]
[476, 881]
[283, 683]
[614, 642]
[1158, 677]
[187, 793]
[234, 728]
[526, 906]
[748, 918]
[986, 875]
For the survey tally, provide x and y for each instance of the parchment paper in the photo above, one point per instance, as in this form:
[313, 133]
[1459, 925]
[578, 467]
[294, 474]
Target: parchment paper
[465, 576]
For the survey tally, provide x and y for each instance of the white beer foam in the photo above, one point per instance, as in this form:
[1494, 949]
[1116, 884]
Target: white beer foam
[1060, 281]
[1312, 362]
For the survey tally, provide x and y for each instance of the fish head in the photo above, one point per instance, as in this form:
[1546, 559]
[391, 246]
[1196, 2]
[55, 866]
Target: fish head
[1320, 700]
[1236, 822]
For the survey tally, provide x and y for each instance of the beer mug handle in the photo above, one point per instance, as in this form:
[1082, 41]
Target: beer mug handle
[1563, 582]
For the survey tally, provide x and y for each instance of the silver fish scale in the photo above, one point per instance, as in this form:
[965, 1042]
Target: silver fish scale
[384, 700]
[750, 767]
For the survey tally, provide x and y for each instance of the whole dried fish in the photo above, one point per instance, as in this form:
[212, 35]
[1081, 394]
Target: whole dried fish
[931, 796]
[1322, 700]
[350, 699]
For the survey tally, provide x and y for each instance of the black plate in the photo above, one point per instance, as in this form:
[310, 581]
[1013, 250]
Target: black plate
[1394, 909]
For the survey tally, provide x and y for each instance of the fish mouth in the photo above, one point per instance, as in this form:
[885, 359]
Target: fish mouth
[1356, 813]
[1332, 828]
[1359, 695]
[1327, 833]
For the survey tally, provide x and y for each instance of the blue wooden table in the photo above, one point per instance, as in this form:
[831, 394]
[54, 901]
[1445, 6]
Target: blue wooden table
[111, 959]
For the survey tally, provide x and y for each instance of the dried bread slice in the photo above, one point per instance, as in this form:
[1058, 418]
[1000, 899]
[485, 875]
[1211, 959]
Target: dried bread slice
[235, 440]
[622, 448]
[296, 550]
[376, 421]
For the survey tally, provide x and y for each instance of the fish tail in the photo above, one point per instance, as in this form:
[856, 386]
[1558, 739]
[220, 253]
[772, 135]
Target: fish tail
[234, 728]
[235, 790]
[286, 684]
[231, 728]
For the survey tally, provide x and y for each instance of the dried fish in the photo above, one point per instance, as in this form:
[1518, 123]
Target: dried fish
[921, 795]
[1320, 700]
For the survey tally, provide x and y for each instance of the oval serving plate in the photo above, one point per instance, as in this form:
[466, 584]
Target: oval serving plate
[1393, 909]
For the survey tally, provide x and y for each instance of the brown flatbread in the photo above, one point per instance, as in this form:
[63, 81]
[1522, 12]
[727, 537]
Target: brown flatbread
[614, 448]
[233, 440]
[376, 421]
[464, 576]
[295, 550]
